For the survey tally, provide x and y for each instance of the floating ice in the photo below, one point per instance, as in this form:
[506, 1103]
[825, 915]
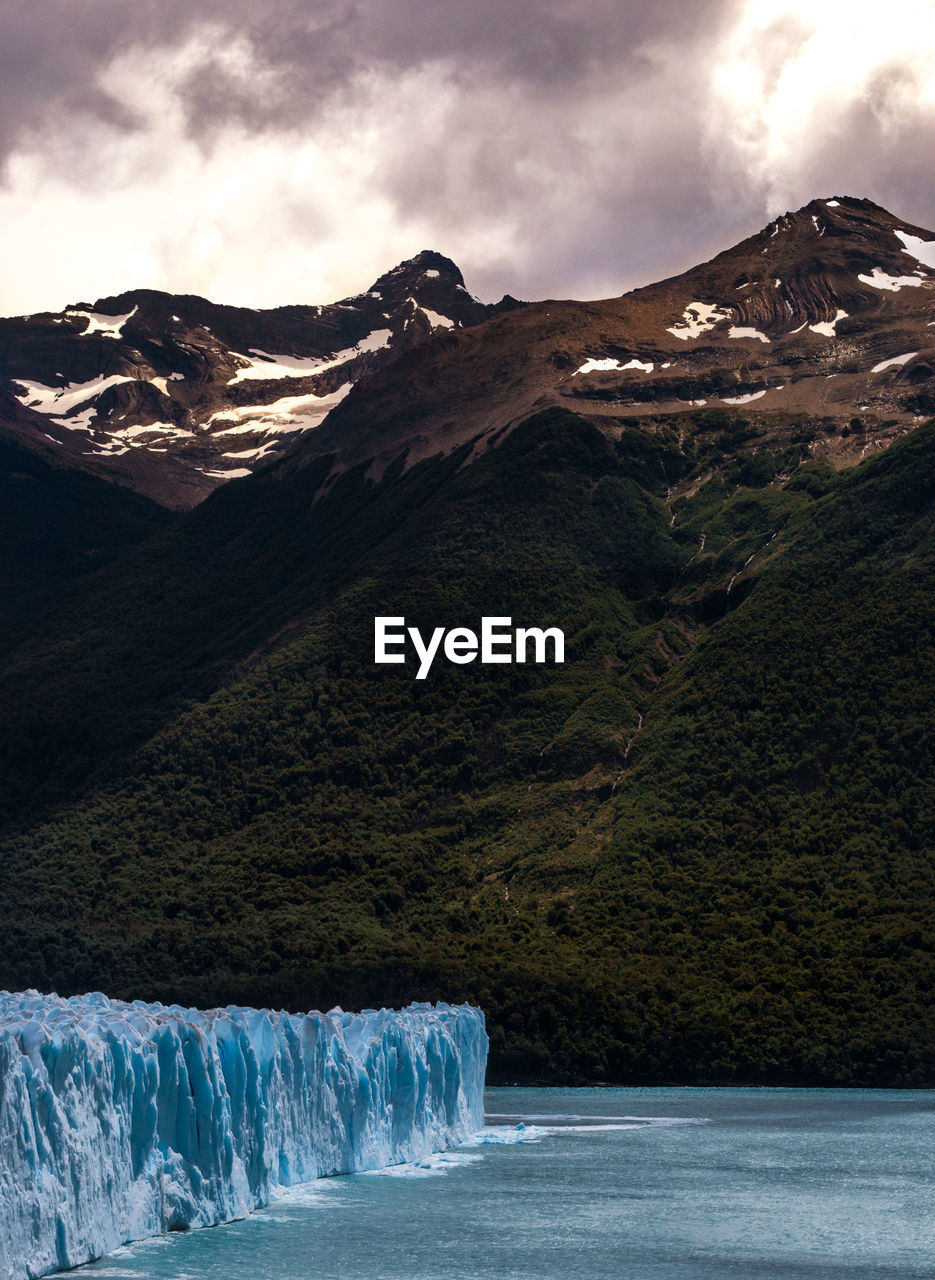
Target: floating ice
[122, 1121]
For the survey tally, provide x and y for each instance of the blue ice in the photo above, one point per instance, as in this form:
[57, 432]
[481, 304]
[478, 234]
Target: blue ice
[122, 1121]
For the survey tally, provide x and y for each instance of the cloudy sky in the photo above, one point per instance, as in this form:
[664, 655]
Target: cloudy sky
[270, 151]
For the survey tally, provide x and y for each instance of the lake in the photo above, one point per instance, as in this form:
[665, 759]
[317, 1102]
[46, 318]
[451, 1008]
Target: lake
[628, 1184]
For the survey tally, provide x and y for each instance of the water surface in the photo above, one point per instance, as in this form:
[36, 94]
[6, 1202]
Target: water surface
[609, 1184]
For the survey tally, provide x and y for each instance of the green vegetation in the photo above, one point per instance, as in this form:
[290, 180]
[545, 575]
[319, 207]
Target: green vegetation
[58, 525]
[700, 850]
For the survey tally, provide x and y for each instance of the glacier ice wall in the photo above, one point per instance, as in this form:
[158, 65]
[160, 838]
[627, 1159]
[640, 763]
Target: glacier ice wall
[121, 1121]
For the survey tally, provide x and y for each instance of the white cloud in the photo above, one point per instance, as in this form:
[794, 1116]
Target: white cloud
[793, 78]
[602, 147]
[509, 179]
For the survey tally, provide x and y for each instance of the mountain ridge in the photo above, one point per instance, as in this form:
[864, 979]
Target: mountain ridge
[173, 394]
[821, 316]
[692, 340]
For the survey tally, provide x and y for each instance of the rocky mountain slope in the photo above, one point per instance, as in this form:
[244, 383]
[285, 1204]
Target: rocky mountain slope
[172, 396]
[824, 317]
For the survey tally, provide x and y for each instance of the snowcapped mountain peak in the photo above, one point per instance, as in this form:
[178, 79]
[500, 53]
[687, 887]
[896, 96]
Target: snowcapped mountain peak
[425, 265]
[823, 316]
[826, 313]
[174, 394]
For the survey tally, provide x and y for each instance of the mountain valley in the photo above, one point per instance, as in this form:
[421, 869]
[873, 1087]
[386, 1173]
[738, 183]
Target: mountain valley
[701, 850]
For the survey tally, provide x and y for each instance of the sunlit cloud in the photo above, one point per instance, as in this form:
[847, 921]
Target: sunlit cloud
[571, 149]
[804, 95]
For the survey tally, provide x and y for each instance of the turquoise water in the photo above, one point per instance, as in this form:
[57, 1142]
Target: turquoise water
[622, 1184]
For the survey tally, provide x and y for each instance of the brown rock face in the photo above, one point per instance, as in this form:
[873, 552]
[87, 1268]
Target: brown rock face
[825, 315]
[173, 395]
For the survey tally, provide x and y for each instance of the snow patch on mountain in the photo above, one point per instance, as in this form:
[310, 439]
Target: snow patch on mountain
[922, 250]
[752, 395]
[57, 401]
[879, 279]
[106, 326]
[161, 430]
[595, 364]
[254, 455]
[697, 318]
[437, 321]
[262, 366]
[738, 331]
[288, 413]
[375, 341]
[79, 420]
[163, 383]
[828, 328]
[894, 360]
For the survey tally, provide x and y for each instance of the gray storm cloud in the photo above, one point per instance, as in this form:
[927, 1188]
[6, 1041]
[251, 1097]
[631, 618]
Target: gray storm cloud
[292, 151]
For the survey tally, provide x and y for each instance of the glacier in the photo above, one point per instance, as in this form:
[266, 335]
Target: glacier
[120, 1121]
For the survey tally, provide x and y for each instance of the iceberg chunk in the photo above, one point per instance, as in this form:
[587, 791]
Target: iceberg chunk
[122, 1121]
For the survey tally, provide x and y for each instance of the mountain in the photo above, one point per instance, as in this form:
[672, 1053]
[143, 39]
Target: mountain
[173, 395]
[702, 849]
[58, 524]
[822, 318]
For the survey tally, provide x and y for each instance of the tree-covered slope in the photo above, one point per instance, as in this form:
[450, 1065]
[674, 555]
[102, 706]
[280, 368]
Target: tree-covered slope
[701, 849]
[58, 525]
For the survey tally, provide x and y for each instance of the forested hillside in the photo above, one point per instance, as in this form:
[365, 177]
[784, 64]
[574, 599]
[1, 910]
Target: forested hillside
[701, 849]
